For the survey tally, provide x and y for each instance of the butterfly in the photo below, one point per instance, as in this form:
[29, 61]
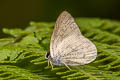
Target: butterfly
[68, 46]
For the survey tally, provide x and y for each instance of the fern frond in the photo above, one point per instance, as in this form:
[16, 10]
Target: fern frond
[22, 57]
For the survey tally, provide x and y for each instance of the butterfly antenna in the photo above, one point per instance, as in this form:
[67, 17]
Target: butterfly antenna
[39, 41]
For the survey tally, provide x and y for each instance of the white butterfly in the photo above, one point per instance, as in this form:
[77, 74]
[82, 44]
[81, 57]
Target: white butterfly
[68, 46]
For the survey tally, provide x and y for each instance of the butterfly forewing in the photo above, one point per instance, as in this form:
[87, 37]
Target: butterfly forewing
[68, 43]
[65, 26]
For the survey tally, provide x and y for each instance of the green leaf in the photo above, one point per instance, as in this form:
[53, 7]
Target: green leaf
[22, 56]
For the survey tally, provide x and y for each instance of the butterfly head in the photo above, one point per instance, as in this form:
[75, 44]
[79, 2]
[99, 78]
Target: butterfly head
[47, 55]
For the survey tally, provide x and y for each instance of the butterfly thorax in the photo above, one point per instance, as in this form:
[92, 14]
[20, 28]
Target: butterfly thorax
[55, 60]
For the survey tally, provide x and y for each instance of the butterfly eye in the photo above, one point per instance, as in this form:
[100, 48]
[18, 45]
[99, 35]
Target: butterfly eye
[47, 55]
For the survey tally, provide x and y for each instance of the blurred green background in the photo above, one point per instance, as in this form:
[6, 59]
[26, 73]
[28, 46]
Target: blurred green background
[18, 13]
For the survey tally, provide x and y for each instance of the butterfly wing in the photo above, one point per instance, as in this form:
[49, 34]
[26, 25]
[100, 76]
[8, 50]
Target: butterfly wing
[78, 50]
[68, 42]
[65, 26]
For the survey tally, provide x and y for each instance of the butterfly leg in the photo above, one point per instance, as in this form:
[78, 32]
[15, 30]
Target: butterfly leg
[48, 62]
[51, 65]
[67, 66]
